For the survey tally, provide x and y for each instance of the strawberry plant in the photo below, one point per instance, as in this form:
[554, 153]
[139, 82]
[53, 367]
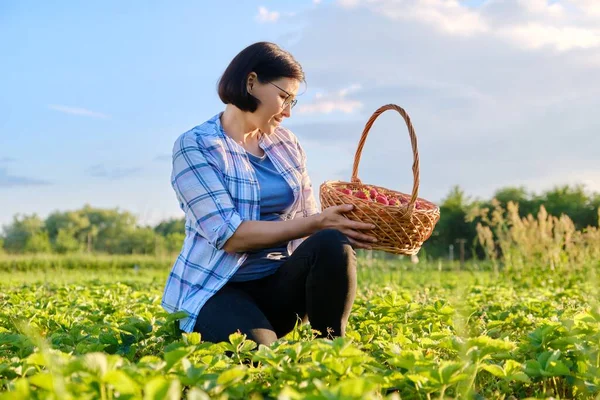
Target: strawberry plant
[82, 333]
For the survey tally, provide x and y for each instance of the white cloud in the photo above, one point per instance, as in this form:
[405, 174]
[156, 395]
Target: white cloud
[589, 7]
[348, 3]
[539, 24]
[265, 16]
[535, 36]
[445, 15]
[77, 111]
[542, 7]
[330, 102]
[530, 24]
[483, 104]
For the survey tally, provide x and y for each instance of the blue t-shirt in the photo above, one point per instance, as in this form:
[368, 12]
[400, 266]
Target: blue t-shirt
[275, 196]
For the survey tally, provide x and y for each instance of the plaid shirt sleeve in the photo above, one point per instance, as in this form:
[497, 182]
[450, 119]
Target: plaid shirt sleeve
[201, 192]
[308, 204]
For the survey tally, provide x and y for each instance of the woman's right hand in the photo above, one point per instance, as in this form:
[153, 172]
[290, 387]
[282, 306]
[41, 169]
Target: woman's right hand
[333, 218]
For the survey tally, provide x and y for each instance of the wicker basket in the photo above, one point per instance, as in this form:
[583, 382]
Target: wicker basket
[400, 228]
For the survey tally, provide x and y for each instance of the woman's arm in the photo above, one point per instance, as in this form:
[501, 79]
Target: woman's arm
[253, 235]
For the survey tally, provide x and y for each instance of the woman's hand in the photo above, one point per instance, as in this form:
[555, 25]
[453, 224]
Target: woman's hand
[333, 218]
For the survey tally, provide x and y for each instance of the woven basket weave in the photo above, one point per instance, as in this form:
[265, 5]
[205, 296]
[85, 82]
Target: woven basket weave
[400, 229]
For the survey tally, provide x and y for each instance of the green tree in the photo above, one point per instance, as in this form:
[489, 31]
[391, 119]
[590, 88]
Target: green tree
[73, 223]
[173, 225]
[528, 202]
[38, 243]
[140, 241]
[65, 242]
[174, 242]
[107, 228]
[452, 225]
[574, 202]
[20, 232]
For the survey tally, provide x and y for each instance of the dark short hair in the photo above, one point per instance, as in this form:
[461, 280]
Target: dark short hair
[268, 61]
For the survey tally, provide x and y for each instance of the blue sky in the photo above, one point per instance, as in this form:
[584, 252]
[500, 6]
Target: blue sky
[96, 93]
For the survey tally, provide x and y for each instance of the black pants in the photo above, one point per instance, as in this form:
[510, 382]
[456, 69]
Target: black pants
[317, 282]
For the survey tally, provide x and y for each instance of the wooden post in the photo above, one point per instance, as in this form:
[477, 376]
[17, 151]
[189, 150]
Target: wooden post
[462, 242]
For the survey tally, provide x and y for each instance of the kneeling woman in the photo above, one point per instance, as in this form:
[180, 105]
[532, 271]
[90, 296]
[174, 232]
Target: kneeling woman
[258, 255]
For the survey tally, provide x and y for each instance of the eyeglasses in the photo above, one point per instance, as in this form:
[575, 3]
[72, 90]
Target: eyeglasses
[288, 100]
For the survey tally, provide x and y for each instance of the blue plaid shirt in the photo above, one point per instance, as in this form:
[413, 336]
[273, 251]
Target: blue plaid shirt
[217, 189]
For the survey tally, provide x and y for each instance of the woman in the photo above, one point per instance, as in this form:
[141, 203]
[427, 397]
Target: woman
[257, 253]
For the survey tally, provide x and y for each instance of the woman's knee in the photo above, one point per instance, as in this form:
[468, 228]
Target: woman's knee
[336, 246]
[329, 238]
[231, 310]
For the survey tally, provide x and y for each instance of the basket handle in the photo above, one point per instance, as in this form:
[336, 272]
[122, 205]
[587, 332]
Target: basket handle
[413, 142]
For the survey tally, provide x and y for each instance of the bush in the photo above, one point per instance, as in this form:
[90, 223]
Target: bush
[79, 261]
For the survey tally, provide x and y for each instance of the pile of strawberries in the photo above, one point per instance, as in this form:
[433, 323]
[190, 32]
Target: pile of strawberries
[372, 195]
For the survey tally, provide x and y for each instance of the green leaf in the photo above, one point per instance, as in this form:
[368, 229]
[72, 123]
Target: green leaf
[36, 359]
[174, 356]
[247, 345]
[176, 316]
[533, 368]
[512, 367]
[108, 338]
[43, 381]
[236, 339]
[519, 376]
[554, 356]
[419, 380]
[494, 370]
[160, 389]
[231, 376]
[121, 382]
[406, 359]
[556, 368]
[192, 338]
[197, 394]
[446, 310]
[354, 388]
[96, 363]
[21, 391]
[447, 370]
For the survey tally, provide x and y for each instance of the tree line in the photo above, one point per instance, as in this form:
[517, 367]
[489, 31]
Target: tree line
[113, 231]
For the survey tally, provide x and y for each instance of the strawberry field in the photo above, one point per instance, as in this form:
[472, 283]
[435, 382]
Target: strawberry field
[416, 332]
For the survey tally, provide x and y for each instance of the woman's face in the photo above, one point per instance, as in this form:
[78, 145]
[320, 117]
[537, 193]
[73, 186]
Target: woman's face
[276, 99]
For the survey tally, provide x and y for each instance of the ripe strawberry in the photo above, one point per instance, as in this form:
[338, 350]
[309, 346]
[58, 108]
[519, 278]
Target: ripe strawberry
[382, 200]
[394, 201]
[373, 193]
[361, 195]
[346, 191]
